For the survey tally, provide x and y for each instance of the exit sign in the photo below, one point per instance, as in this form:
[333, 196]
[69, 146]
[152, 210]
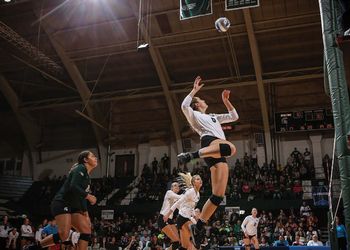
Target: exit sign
[240, 4]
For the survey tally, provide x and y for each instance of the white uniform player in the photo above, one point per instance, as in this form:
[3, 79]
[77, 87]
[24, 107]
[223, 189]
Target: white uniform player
[250, 229]
[249, 225]
[169, 199]
[169, 227]
[186, 205]
[214, 149]
[205, 124]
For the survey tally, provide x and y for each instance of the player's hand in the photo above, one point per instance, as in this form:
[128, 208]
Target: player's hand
[92, 199]
[225, 95]
[165, 218]
[197, 84]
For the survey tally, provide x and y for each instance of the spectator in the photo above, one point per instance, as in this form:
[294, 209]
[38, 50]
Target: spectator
[263, 242]
[297, 189]
[281, 242]
[310, 232]
[341, 234]
[38, 234]
[146, 171]
[26, 233]
[297, 241]
[296, 155]
[165, 162]
[254, 157]
[12, 239]
[305, 210]
[155, 166]
[51, 228]
[5, 228]
[327, 165]
[113, 245]
[288, 237]
[307, 157]
[95, 245]
[314, 241]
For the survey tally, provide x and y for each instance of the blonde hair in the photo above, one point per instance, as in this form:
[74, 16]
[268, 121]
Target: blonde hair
[187, 179]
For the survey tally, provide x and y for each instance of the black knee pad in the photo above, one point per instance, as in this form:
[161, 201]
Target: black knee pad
[216, 200]
[86, 237]
[56, 238]
[225, 149]
[67, 243]
[182, 248]
[175, 245]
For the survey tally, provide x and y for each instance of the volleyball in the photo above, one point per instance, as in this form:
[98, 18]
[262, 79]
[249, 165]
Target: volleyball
[222, 24]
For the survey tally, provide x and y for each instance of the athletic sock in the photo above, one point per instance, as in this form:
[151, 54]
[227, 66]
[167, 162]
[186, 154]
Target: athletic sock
[195, 155]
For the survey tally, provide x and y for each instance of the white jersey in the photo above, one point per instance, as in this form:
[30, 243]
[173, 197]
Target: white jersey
[207, 124]
[169, 199]
[187, 203]
[250, 225]
[75, 238]
[26, 231]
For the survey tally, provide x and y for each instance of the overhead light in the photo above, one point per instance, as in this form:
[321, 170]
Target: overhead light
[7, 1]
[143, 46]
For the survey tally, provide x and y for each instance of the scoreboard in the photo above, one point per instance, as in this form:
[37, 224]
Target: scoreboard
[318, 119]
[240, 4]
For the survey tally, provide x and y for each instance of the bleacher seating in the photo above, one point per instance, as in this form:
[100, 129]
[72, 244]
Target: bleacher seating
[13, 187]
[122, 183]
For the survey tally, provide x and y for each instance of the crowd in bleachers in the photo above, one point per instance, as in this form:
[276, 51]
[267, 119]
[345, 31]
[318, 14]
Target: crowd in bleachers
[247, 180]
[43, 191]
[129, 232]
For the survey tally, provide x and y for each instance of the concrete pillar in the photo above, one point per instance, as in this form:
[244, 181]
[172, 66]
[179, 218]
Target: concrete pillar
[143, 153]
[102, 162]
[260, 152]
[26, 166]
[173, 153]
[268, 145]
[317, 155]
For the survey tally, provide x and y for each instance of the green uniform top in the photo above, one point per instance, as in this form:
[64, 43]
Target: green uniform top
[75, 188]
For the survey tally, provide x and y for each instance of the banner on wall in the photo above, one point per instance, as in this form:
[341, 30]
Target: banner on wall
[107, 214]
[195, 8]
[240, 4]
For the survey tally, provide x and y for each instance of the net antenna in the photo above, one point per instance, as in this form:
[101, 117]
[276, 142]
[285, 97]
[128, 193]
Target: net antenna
[330, 189]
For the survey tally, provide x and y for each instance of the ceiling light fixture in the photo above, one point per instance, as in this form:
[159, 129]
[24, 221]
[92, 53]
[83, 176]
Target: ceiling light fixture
[143, 46]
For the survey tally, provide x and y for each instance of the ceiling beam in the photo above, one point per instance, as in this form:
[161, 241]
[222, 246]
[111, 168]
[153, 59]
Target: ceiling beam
[81, 86]
[259, 80]
[170, 40]
[163, 77]
[154, 92]
[30, 129]
[45, 73]
[132, 18]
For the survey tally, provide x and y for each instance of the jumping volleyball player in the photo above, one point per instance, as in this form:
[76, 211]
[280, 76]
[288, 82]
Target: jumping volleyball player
[186, 205]
[169, 227]
[214, 150]
[69, 206]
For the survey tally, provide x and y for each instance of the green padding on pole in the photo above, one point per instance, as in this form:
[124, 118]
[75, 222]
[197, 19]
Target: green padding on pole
[330, 13]
[325, 75]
